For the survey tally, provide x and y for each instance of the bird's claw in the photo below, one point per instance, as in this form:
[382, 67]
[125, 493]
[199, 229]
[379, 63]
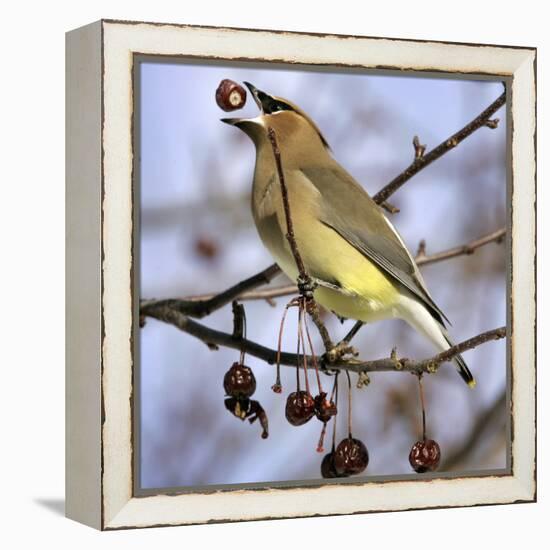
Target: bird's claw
[306, 287]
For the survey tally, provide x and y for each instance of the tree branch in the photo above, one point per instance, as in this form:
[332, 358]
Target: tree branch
[205, 306]
[211, 337]
[421, 160]
[286, 205]
[463, 250]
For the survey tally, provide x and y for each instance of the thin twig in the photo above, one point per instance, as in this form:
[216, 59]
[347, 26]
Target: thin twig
[390, 207]
[313, 311]
[423, 160]
[463, 250]
[286, 205]
[354, 330]
[204, 307]
[444, 356]
[305, 283]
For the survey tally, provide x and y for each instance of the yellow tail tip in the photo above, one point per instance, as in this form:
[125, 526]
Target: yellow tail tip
[472, 383]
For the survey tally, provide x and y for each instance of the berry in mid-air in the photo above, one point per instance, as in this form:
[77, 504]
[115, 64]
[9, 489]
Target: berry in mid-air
[230, 96]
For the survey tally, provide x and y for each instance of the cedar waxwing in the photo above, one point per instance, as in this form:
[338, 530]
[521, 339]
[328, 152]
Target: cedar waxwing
[351, 250]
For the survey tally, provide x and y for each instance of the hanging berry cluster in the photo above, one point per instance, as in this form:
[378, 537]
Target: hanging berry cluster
[350, 456]
[301, 405]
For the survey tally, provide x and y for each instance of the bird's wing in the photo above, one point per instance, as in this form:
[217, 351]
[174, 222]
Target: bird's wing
[348, 210]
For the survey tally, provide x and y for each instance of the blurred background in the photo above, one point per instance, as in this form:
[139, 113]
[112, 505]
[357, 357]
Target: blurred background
[197, 236]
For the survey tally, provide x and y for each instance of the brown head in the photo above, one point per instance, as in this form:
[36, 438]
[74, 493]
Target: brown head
[297, 135]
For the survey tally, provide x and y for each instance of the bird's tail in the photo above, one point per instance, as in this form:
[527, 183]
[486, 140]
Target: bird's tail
[461, 366]
[421, 319]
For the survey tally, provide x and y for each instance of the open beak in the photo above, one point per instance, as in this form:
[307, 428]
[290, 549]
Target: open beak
[233, 121]
[261, 99]
[256, 94]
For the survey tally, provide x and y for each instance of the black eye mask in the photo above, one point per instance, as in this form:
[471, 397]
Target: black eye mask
[271, 105]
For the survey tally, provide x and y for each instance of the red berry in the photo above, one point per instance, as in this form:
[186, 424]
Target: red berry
[328, 469]
[351, 456]
[230, 96]
[239, 381]
[425, 456]
[300, 408]
[324, 409]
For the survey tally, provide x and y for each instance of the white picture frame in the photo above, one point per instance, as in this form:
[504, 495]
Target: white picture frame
[101, 309]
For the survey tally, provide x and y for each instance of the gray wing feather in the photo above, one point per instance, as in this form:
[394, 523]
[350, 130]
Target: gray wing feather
[361, 222]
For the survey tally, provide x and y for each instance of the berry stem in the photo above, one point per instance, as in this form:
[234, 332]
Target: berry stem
[423, 405]
[243, 352]
[313, 356]
[334, 389]
[335, 396]
[298, 361]
[298, 345]
[302, 339]
[320, 448]
[349, 404]
[277, 387]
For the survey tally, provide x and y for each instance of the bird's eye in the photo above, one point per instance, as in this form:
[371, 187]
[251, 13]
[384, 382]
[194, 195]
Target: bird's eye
[275, 106]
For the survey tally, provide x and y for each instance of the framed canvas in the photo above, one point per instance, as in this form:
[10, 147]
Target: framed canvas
[180, 327]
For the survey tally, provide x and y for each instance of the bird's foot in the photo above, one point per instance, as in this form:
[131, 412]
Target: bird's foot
[306, 287]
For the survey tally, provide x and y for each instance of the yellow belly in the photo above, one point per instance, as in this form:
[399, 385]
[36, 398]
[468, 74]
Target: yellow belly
[367, 293]
[355, 307]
